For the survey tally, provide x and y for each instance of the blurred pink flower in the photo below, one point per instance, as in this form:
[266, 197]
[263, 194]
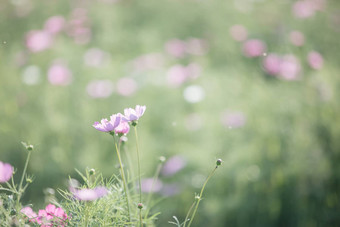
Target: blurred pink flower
[178, 74]
[196, 46]
[54, 24]
[315, 60]
[90, 194]
[146, 62]
[303, 9]
[173, 165]
[100, 88]
[29, 213]
[296, 38]
[6, 172]
[133, 114]
[126, 86]
[79, 26]
[238, 32]
[176, 48]
[254, 48]
[271, 64]
[233, 119]
[106, 125]
[148, 185]
[290, 68]
[51, 216]
[122, 128]
[95, 57]
[59, 74]
[38, 40]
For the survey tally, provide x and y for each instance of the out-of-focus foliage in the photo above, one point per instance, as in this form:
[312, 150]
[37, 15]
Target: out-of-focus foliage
[254, 82]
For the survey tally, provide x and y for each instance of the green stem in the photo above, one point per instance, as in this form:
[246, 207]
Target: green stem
[200, 196]
[139, 178]
[140, 217]
[23, 176]
[132, 170]
[186, 217]
[123, 178]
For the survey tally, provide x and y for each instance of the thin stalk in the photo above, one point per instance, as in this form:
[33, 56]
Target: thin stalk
[23, 176]
[139, 178]
[132, 170]
[140, 217]
[186, 217]
[123, 178]
[200, 196]
[155, 178]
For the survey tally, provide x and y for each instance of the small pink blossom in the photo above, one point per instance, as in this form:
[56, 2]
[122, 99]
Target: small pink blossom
[133, 114]
[173, 165]
[122, 128]
[6, 172]
[303, 9]
[59, 74]
[290, 68]
[238, 32]
[106, 125]
[29, 213]
[297, 38]
[126, 86]
[51, 216]
[149, 185]
[271, 64]
[90, 194]
[315, 60]
[254, 48]
[54, 24]
[38, 40]
[178, 74]
[176, 48]
[100, 88]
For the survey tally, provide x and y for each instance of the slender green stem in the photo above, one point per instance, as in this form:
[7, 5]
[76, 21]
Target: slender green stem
[140, 217]
[23, 176]
[123, 178]
[200, 196]
[139, 178]
[189, 211]
[132, 170]
[155, 178]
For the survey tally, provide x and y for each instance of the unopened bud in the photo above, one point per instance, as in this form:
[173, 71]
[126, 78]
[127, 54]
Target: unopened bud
[92, 172]
[134, 123]
[162, 159]
[140, 205]
[219, 162]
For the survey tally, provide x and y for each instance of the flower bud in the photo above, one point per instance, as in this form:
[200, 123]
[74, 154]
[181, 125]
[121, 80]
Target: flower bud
[134, 123]
[140, 205]
[92, 172]
[162, 159]
[219, 162]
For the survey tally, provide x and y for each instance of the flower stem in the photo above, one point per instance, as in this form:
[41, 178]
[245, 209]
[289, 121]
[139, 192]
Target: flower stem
[23, 176]
[138, 166]
[139, 178]
[200, 196]
[186, 217]
[123, 178]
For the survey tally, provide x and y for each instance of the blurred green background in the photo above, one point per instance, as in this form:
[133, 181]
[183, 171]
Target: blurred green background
[254, 82]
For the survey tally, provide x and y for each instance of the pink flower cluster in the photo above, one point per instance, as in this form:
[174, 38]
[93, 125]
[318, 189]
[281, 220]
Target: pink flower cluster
[119, 123]
[6, 172]
[285, 67]
[50, 216]
[180, 48]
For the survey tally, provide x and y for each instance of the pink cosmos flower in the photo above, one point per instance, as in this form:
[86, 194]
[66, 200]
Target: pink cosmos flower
[133, 114]
[271, 64]
[122, 128]
[315, 60]
[303, 9]
[90, 194]
[106, 125]
[253, 48]
[126, 86]
[100, 88]
[176, 48]
[51, 216]
[29, 213]
[54, 24]
[238, 32]
[38, 40]
[6, 172]
[148, 185]
[173, 165]
[59, 74]
[297, 38]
